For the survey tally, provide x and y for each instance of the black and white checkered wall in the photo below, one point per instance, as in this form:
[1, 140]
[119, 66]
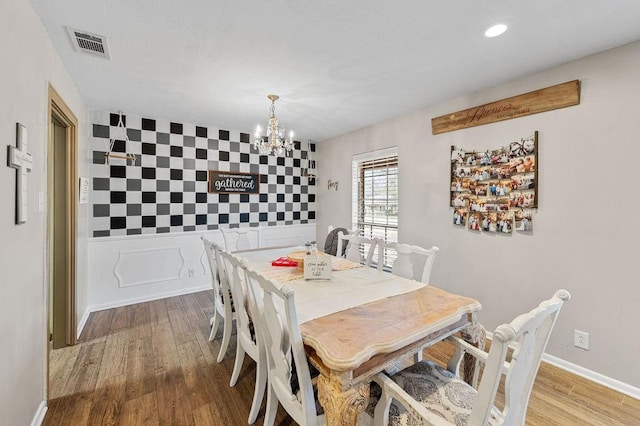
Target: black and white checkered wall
[166, 189]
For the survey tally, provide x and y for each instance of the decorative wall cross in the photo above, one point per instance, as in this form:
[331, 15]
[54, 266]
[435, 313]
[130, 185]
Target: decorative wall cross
[19, 159]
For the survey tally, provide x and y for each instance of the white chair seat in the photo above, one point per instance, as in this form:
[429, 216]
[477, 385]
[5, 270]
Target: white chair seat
[436, 389]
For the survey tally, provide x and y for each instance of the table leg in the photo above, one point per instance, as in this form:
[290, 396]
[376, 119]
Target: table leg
[342, 402]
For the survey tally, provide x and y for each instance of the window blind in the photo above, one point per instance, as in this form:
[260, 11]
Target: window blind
[375, 200]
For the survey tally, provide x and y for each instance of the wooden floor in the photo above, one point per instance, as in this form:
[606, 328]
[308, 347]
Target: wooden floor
[152, 363]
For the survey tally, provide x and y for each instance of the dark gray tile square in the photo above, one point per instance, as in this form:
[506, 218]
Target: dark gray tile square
[162, 138]
[162, 185]
[189, 141]
[134, 209]
[163, 162]
[134, 184]
[100, 131]
[189, 209]
[101, 184]
[134, 135]
[163, 209]
[101, 210]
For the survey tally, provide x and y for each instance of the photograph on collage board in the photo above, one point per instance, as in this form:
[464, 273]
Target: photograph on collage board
[494, 191]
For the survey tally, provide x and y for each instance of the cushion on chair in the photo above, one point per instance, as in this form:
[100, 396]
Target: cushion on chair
[438, 390]
[331, 243]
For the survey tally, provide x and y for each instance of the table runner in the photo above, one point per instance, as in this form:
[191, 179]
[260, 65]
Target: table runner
[351, 286]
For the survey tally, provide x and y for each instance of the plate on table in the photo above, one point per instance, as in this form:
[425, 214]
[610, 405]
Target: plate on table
[298, 257]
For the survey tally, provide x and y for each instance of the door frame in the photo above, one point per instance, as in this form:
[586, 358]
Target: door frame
[60, 110]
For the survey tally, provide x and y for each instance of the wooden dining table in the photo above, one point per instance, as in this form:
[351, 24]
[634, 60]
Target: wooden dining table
[361, 322]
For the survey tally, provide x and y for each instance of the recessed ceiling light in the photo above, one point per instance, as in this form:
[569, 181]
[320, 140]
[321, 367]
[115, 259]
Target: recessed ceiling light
[495, 30]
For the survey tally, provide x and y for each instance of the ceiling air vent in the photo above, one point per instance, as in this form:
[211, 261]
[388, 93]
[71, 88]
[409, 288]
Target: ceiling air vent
[89, 43]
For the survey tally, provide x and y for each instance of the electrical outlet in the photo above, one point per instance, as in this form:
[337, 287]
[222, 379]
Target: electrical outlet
[581, 339]
[192, 272]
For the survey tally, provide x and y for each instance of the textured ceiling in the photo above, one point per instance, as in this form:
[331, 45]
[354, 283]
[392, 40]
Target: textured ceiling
[337, 65]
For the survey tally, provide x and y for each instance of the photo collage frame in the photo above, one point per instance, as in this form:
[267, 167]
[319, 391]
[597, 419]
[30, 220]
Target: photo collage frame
[495, 191]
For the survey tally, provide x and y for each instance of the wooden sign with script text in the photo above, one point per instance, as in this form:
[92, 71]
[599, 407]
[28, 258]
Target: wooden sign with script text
[547, 99]
[233, 182]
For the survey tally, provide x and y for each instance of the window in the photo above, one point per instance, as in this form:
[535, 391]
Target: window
[375, 196]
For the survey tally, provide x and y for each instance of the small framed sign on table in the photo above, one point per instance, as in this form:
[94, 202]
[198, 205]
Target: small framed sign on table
[317, 267]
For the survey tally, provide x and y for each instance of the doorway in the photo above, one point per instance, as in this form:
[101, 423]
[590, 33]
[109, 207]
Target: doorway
[62, 194]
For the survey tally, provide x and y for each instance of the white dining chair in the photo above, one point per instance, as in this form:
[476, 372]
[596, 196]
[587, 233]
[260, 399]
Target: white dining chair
[288, 371]
[357, 249]
[224, 309]
[240, 238]
[426, 393]
[412, 262]
[222, 306]
[249, 340]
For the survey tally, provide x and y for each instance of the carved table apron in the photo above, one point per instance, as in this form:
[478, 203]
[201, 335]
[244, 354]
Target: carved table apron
[350, 346]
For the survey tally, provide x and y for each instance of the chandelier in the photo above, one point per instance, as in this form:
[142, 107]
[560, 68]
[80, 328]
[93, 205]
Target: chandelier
[275, 142]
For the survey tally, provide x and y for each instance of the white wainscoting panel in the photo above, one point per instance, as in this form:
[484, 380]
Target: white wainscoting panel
[275, 236]
[139, 268]
[169, 263]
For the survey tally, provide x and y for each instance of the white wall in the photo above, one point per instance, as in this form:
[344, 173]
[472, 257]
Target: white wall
[585, 230]
[29, 64]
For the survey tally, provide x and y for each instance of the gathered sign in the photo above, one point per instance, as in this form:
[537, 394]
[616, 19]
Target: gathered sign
[233, 182]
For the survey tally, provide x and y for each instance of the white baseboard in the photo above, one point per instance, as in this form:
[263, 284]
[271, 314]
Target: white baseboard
[38, 418]
[119, 303]
[601, 379]
[82, 322]
[595, 377]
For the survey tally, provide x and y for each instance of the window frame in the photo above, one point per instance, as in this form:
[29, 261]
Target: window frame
[380, 159]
